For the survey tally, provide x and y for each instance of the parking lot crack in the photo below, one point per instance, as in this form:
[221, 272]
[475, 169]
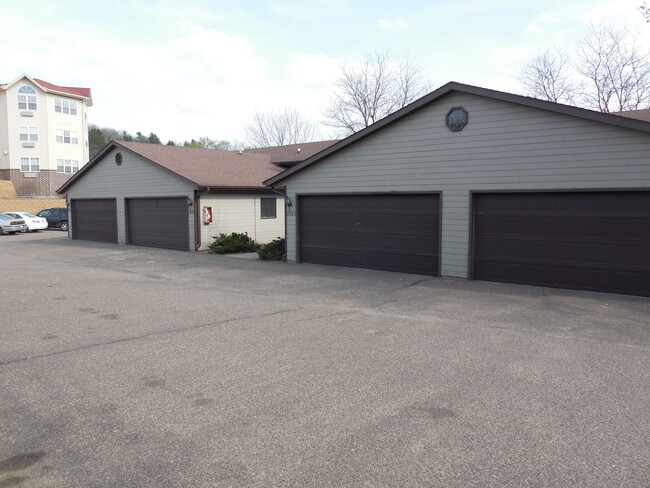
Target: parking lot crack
[141, 336]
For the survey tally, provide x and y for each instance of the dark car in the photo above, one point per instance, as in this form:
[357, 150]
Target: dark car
[56, 217]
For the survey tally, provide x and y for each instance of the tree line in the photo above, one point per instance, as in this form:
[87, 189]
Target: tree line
[98, 137]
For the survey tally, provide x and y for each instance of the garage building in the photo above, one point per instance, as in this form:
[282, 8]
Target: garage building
[474, 183]
[179, 197]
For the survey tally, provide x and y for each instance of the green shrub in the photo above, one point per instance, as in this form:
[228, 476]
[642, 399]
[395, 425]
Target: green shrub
[273, 251]
[232, 243]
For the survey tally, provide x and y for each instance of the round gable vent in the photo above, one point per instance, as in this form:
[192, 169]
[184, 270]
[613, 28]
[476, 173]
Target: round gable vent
[118, 159]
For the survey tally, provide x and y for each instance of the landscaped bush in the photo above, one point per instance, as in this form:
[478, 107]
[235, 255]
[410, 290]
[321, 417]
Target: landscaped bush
[232, 243]
[273, 251]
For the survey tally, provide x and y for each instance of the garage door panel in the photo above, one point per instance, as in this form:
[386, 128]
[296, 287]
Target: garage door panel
[584, 240]
[158, 222]
[390, 232]
[364, 258]
[94, 220]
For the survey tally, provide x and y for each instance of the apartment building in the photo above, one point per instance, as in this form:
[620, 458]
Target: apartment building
[43, 134]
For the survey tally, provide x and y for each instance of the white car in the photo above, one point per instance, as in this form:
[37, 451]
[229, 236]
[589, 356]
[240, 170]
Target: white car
[34, 223]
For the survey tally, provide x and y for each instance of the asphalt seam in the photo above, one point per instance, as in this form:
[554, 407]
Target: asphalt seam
[142, 336]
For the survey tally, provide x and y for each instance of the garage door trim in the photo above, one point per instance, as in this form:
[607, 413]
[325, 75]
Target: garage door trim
[299, 216]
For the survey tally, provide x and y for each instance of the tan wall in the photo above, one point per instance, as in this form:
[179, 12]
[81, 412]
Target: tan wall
[241, 213]
[7, 189]
[31, 205]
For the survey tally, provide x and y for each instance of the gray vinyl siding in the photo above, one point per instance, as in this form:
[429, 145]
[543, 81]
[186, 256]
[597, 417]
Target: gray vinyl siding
[134, 178]
[504, 147]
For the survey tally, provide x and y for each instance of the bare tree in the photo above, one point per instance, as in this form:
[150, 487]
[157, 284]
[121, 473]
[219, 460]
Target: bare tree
[610, 72]
[645, 11]
[368, 92]
[616, 69]
[280, 128]
[548, 76]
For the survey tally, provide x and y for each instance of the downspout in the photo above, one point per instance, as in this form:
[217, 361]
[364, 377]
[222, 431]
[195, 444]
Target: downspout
[68, 205]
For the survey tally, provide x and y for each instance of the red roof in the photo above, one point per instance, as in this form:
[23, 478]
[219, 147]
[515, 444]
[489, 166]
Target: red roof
[71, 90]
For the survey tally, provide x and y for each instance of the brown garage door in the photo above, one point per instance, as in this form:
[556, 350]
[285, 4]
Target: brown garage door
[393, 232]
[94, 220]
[158, 222]
[595, 241]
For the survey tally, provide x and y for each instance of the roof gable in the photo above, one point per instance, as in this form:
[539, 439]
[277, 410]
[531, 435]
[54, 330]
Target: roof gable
[71, 91]
[454, 87]
[211, 167]
[200, 167]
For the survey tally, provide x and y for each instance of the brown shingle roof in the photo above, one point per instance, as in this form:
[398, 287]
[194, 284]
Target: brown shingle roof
[292, 153]
[643, 114]
[209, 167]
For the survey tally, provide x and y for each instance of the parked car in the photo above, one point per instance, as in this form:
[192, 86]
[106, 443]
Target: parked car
[56, 217]
[33, 223]
[11, 225]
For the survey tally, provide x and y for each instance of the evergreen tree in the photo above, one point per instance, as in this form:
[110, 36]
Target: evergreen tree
[96, 140]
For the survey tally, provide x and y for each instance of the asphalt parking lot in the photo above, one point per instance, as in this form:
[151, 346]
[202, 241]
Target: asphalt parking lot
[135, 367]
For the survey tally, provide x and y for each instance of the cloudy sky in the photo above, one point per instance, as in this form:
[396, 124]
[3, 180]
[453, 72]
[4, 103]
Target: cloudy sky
[201, 67]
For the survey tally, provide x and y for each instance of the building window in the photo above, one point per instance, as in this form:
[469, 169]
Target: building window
[67, 136]
[268, 207]
[26, 98]
[64, 106]
[28, 133]
[29, 165]
[67, 165]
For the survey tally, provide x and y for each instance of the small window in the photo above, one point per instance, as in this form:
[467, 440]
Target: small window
[64, 106]
[28, 133]
[67, 165]
[27, 98]
[268, 207]
[29, 165]
[67, 136]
